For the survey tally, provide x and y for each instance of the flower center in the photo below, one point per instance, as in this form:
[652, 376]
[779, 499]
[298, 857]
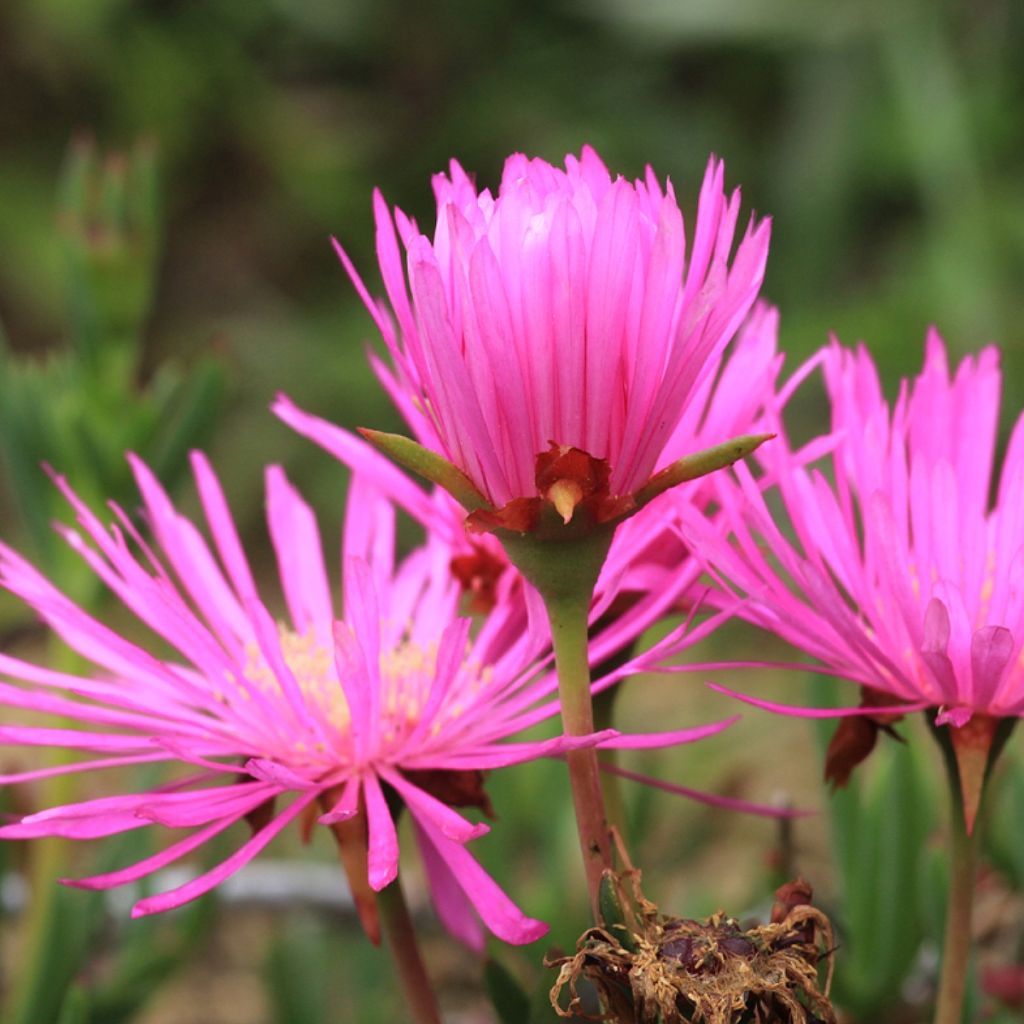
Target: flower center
[312, 665]
[407, 674]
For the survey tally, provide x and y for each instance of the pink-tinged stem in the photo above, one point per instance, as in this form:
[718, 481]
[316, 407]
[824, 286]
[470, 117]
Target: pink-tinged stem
[969, 753]
[568, 616]
[956, 950]
[398, 929]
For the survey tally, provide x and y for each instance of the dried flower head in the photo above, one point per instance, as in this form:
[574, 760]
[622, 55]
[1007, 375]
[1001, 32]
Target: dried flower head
[674, 970]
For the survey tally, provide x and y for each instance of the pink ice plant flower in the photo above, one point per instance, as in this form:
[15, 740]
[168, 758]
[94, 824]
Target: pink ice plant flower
[648, 558]
[570, 309]
[896, 569]
[318, 712]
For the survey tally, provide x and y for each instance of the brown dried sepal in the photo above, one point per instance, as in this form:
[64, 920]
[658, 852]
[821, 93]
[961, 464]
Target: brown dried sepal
[856, 736]
[789, 896]
[263, 814]
[520, 515]
[569, 481]
[455, 788]
[709, 971]
[573, 469]
[478, 574]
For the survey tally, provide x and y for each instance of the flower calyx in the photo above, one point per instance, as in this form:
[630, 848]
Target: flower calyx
[573, 498]
[351, 835]
[976, 745]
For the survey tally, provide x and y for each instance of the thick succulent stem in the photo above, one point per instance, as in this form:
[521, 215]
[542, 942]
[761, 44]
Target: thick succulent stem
[569, 635]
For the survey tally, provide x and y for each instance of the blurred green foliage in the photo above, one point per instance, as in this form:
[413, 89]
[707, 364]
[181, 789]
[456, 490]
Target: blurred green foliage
[884, 139]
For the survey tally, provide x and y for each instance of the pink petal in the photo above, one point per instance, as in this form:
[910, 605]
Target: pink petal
[652, 740]
[383, 839]
[141, 868]
[347, 805]
[420, 803]
[210, 879]
[788, 709]
[712, 800]
[453, 907]
[496, 910]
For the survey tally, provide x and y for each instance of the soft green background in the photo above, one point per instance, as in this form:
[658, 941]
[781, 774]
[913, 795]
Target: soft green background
[883, 138]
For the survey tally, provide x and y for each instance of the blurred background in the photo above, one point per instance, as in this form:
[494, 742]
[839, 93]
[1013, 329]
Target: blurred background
[884, 138]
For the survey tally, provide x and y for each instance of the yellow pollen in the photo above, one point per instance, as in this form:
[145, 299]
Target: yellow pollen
[312, 665]
[407, 674]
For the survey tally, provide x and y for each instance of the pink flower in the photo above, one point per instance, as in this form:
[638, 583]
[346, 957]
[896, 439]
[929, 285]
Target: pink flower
[899, 571]
[566, 311]
[327, 714]
[648, 558]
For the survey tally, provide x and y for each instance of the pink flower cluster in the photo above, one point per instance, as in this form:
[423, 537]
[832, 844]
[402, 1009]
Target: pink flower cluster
[899, 571]
[325, 707]
[569, 310]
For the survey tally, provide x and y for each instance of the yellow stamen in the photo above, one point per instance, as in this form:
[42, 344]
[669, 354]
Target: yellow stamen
[565, 495]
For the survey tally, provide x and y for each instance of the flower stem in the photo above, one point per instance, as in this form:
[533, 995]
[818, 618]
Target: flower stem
[568, 616]
[398, 929]
[969, 752]
[956, 949]
[615, 804]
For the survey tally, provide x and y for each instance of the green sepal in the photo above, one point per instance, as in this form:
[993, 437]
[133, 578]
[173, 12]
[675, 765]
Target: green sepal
[76, 1007]
[700, 464]
[428, 465]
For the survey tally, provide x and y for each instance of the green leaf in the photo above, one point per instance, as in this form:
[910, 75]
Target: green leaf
[509, 999]
[880, 824]
[297, 967]
[612, 913]
[61, 945]
[150, 951]
[186, 418]
[75, 1009]
[1003, 834]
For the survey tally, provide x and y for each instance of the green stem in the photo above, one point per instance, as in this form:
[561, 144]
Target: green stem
[956, 949]
[397, 926]
[611, 784]
[568, 616]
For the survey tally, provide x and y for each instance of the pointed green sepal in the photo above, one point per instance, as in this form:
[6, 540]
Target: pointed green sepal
[700, 464]
[428, 465]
